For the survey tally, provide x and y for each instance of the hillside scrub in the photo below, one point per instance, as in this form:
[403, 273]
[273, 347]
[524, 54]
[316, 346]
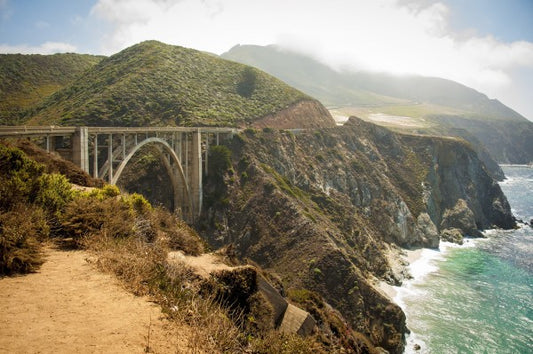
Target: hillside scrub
[154, 84]
[30, 203]
[26, 79]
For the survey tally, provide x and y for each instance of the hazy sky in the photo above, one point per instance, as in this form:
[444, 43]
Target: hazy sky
[484, 44]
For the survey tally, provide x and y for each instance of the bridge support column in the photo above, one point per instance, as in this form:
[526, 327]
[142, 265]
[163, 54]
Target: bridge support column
[110, 157]
[95, 156]
[195, 178]
[80, 148]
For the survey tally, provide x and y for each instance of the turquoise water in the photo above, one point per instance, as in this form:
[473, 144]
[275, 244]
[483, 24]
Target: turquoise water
[477, 298]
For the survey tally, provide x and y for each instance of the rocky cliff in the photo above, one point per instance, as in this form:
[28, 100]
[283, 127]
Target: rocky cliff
[325, 208]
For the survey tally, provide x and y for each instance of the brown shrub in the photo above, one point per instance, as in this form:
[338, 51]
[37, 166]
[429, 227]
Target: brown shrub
[177, 233]
[87, 215]
[21, 229]
[275, 342]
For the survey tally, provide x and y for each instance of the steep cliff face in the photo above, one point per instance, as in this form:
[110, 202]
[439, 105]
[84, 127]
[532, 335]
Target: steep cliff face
[323, 208]
[462, 193]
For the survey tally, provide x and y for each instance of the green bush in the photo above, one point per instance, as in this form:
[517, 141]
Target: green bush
[219, 161]
[53, 192]
[18, 177]
[137, 203]
[247, 82]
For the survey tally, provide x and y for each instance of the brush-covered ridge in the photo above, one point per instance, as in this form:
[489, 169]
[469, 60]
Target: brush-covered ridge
[155, 84]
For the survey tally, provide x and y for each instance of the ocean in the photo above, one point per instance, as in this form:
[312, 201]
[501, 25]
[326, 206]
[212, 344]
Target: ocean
[476, 298]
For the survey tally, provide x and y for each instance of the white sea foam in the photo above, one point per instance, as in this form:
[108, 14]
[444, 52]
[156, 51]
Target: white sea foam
[420, 268]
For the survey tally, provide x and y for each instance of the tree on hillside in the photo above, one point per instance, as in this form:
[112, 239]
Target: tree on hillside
[247, 82]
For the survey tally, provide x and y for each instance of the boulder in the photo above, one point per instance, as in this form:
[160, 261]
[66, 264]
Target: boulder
[452, 235]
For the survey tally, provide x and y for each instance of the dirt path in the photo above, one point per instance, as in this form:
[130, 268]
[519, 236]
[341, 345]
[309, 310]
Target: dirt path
[69, 307]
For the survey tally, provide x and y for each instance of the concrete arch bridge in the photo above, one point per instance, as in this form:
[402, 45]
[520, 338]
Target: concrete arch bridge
[104, 152]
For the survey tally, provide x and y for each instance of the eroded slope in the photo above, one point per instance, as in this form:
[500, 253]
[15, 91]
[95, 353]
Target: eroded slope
[323, 209]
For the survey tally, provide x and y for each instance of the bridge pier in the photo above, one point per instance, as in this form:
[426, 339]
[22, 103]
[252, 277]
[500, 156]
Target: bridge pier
[80, 148]
[195, 179]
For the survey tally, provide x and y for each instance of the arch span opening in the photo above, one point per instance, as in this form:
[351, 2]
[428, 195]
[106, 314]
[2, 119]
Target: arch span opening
[182, 202]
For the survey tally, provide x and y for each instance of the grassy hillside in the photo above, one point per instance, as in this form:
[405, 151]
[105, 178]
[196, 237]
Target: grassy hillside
[27, 79]
[408, 103]
[348, 88]
[152, 83]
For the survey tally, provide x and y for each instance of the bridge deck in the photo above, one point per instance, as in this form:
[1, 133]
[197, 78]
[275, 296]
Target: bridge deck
[25, 130]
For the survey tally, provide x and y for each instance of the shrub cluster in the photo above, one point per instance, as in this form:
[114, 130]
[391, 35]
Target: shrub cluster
[30, 203]
[35, 205]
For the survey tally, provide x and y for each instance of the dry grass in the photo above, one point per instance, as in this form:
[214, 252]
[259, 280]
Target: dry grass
[143, 269]
[215, 321]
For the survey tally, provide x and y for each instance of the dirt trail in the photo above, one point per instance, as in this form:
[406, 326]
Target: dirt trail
[69, 307]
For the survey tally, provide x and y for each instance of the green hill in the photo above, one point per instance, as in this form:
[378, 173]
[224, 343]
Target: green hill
[27, 79]
[152, 83]
[407, 103]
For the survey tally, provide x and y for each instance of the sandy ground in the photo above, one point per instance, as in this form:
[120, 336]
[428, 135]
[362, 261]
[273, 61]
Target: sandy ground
[202, 265]
[410, 256]
[70, 307]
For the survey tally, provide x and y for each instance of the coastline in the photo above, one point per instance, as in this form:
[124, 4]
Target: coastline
[406, 258]
[423, 262]
[420, 263]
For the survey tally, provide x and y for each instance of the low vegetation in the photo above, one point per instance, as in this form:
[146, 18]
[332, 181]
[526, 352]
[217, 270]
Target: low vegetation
[131, 239]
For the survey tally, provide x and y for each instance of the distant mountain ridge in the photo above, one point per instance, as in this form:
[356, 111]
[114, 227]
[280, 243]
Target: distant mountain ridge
[437, 106]
[152, 83]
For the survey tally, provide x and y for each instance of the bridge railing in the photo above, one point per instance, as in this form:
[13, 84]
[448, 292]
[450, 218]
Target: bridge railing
[26, 130]
[23, 131]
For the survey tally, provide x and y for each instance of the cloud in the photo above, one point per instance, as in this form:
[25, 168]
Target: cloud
[45, 48]
[398, 36]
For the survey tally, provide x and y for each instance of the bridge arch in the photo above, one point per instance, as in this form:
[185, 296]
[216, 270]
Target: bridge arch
[174, 169]
[189, 152]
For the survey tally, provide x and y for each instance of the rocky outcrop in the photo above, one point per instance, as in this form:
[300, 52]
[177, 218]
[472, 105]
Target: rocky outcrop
[461, 192]
[507, 141]
[323, 208]
[241, 286]
[457, 220]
